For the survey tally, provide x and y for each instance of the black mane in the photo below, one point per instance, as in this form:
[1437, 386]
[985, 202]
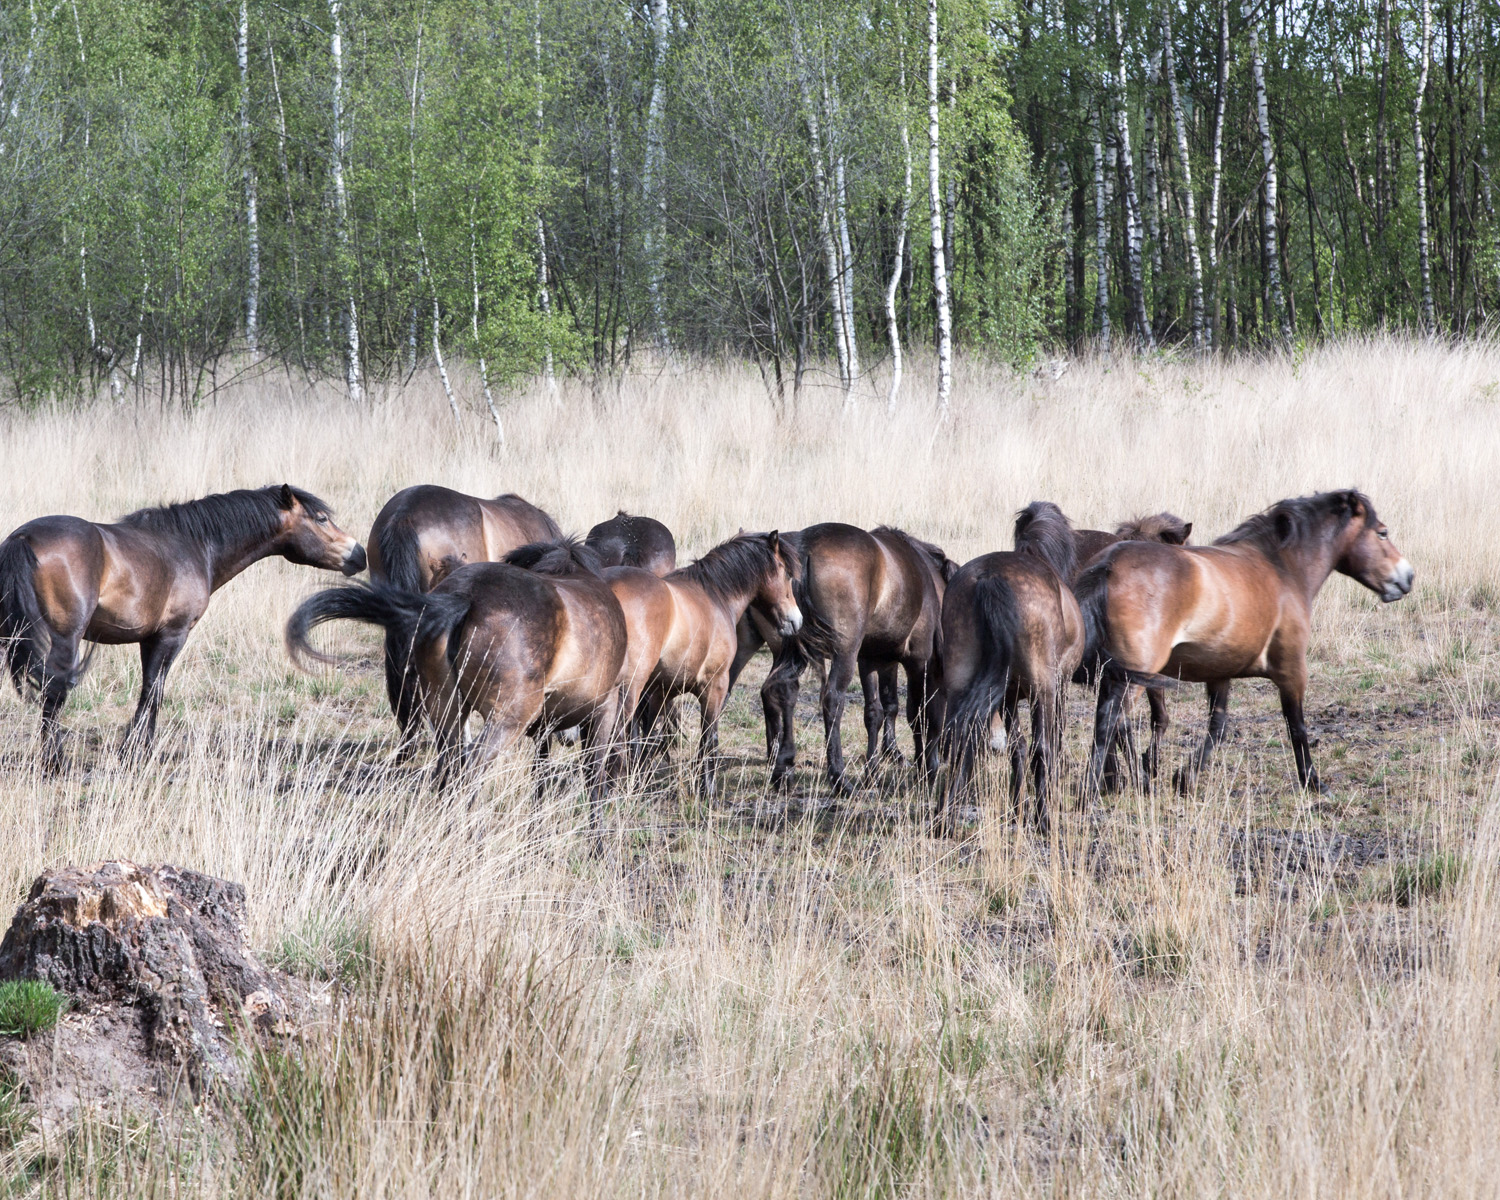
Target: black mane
[1299, 519]
[1042, 530]
[564, 556]
[731, 568]
[225, 517]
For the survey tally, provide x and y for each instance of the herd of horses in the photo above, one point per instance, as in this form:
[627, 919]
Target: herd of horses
[488, 608]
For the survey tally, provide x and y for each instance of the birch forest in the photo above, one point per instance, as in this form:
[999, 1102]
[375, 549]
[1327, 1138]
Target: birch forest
[362, 189]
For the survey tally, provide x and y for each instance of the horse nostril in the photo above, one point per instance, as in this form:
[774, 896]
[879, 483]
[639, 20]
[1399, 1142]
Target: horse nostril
[354, 561]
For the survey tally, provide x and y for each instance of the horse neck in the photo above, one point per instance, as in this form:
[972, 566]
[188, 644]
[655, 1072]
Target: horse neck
[229, 559]
[1310, 563]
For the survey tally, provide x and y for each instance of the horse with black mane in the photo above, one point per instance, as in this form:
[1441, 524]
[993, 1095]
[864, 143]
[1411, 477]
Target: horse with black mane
[1012, 631]
[534, 643]
[146, 578]
[1241, 608]
[422, 535]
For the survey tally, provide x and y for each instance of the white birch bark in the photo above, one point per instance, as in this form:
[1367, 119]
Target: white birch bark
[416, 216]
[1101, 239]
[654, 168]
[1151, 167]
[1268, 154]
[543, 294]
[484, 369]
[1485, 187]
[1424, 256]
[935, 204]
[341, 208]
[846, 253]
[902, 225]
[252, 217]
[1134, 232]
[291, 216]
[1216, 182]
[1185, 165]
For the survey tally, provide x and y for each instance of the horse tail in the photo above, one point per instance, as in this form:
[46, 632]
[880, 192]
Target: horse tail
[1092, 593]
[408, 617]
[400, 559]
[998, 618]
[23, 633]
[817, 639]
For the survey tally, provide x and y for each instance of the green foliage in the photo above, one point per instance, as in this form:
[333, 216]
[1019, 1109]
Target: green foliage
[1158, 951]
[29, 1006]
[326, 948]
[1430, 877]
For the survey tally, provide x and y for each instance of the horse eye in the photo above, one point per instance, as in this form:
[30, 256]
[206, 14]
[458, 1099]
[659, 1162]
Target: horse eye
[1384, 535]
[323, 520]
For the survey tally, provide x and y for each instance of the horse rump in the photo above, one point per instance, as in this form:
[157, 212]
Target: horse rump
[998, 620]
[23, 632]
[1091, 590]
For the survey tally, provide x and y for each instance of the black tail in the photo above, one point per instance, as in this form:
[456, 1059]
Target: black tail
[1092, 592]
[999, 621]
[409, 618]
[399, 559]
[24, 635]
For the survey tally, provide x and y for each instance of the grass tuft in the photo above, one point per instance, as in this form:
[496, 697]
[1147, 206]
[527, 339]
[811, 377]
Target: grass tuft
[29, 1006]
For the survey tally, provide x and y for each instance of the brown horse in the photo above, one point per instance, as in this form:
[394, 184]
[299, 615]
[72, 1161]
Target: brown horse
[695, 611]
[529, 648]
[422, 535]
[1088, 544]
[871, 600]
[629, 541]
[147, 578]
[1241, 608]
[1012, 631]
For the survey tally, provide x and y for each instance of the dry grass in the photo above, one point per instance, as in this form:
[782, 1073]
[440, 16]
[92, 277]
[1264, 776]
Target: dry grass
[1171, 997]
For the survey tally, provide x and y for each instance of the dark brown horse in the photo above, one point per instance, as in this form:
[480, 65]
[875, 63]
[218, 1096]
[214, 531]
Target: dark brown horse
[700, 606]
[871, 601]
[1241, 608]
[529, 648]
[422, 535]
[1171, 530]
[629, 541]
[147, 578]
[1012, 631]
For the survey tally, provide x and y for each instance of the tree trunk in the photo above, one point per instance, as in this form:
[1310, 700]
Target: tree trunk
[252, 218]
[1151, 166]
[654, 167]
[1133, 225]
[846, 252]
[341, 209]
[291, 212]
[935, 203]
[1216, 185]
[1268, 153]
[1185, 165]
[902, 223]
[484, 369]
[1101, 239]
[1424, 256]
[543, 292]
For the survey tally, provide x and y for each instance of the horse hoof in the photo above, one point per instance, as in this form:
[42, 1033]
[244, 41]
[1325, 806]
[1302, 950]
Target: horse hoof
[839, 785]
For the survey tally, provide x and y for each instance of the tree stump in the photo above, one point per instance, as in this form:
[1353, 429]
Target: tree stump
[162, 942]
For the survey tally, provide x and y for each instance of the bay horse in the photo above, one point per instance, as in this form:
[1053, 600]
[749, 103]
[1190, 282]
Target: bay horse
[423, 534]
[872, 601]
[530, 648]
[1012, 631]
[146, 578]
[631, 541]
[1241, 608]
[695, 612]
[1088, 545]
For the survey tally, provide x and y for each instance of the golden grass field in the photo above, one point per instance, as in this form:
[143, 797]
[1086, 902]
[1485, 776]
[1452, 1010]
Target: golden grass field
[1251, 992]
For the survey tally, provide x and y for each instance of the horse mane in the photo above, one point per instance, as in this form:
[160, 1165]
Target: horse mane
[1163, 527]
[564, 556]
[1043, 531]
[1298, 519]
[227, 516]
[731, 568]
[945, 566]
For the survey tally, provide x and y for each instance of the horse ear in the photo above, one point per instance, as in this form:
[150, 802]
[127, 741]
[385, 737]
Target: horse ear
[1187, 532]
[288, 498]
[1283, 527]
[774, 538]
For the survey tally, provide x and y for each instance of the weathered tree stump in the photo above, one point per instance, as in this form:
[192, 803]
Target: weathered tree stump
[161, 941]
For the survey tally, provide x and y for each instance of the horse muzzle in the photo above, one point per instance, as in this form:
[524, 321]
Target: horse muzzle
[354, 561]
[1398, 583]
[791, 623]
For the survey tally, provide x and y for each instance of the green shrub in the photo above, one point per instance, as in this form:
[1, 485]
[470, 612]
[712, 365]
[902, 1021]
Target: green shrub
[28, 1006]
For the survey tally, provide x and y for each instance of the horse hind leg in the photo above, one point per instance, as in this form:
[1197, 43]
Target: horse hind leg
[1160, 720]
[835, 697]
[1218, 722]
[60, 672]
[869, 683]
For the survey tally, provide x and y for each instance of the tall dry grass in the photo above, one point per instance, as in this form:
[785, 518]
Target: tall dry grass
[717, 1008]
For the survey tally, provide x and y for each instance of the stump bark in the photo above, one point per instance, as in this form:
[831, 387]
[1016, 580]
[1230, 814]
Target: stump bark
[162, 941]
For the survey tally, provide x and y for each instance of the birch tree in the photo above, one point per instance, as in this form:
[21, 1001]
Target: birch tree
[652, 183]
[1268, 155]
[1419, 150]
[252, 217]
[352, 374]
[903, 221]
[1185, 166]
[935, 205]
[1101, 237]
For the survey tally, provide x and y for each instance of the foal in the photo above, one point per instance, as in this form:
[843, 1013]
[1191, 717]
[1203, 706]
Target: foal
[147, 578]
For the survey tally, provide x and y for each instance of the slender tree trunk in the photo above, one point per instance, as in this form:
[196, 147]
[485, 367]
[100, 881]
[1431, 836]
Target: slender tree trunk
[902, 223]
[252, 217]
[846, 252]
[1185, 165]
[1151, 166]
[543, 290]
[1216, 183]
[1424, 256]
[1133, 224]
[1268, 152]
[484, 369]
[1485, 186]
[654, 167]
[1101, 238]
[1383, 183]
[935, 203]
[1065, 190]
[291, 212]
[341, 209]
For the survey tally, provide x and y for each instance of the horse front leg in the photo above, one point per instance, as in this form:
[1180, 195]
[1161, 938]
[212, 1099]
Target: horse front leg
[711, 706]
[1296, 727]
[1107, 716]
[924, 713]
[778, 696]
[600, 738]
[158, 653]
[869, 684]
[1218, 722]
[1160, 720]
[835, 697]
